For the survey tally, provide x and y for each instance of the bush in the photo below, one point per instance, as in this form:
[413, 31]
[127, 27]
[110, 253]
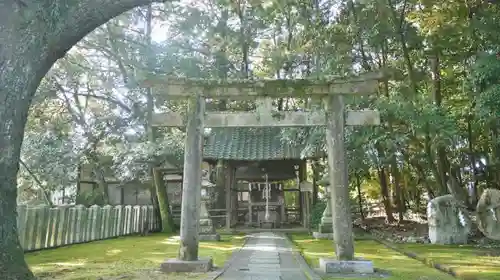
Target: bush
[317, 213]
[90, 198]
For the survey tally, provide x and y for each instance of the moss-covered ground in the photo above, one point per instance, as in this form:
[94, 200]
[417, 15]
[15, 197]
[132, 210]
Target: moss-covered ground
[467, 261]
[133, 257]
[398, 266]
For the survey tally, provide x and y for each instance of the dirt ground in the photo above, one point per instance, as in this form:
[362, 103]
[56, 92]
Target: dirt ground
[397, 230]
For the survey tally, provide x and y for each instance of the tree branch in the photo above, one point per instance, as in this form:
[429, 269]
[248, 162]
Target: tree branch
[85, 16]
[107, 99]
[37, 181]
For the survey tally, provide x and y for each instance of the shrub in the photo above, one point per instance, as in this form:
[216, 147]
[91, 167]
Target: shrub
[90, 198]
[317, 212]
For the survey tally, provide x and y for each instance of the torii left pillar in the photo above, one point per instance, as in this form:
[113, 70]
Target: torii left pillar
[187, 259]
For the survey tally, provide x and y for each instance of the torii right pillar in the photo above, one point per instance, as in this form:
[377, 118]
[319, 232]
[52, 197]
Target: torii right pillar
[339, 194]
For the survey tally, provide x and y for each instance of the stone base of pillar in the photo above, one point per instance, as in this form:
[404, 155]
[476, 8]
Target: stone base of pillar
[177, 266]
[320, 235]
[334, 266]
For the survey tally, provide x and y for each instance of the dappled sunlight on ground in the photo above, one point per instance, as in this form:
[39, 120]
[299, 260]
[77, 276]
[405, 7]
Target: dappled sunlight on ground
[215, 247]
[126, 256]
[398, 266]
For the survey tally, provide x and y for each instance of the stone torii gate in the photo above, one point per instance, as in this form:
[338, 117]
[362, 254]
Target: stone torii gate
[334, 117]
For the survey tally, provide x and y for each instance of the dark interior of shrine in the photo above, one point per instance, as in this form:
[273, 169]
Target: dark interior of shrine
[268, 193]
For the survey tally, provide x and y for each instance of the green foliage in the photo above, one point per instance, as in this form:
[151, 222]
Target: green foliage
[485, 82]
[317, 213]
[90, 198]
[435, 114]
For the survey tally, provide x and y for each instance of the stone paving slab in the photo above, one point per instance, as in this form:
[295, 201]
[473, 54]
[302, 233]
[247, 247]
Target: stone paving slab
[265, 256]
[265, 261]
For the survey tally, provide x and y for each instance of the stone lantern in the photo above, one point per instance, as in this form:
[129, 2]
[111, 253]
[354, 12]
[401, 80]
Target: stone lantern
[325, 228]
[206, 229]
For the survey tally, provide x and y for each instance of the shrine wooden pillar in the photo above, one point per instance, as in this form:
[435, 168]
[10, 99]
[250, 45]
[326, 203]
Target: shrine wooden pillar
[234, 197]
[221, 174]
[303, 195]
[229, 171]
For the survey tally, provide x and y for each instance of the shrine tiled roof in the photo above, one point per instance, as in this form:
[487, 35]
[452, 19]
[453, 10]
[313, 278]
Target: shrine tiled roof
[250, 144]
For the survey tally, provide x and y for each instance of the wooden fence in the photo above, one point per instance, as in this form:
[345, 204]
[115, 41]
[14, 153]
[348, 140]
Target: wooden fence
[43, 227]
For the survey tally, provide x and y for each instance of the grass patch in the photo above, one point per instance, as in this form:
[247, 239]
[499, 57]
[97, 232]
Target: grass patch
[123, 256]
[467, 261]
[399, 266]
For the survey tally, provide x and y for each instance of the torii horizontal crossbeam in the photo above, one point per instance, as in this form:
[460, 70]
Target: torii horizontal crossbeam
[366, 83]
[279, 119]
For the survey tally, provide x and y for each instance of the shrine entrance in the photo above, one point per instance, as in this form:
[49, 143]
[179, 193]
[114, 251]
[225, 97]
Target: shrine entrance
[261, 177]
[268, 198]
[334, 118]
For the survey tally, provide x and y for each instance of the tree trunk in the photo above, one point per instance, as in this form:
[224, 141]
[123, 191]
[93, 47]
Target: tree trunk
[443, 189]
[384, 189]
[12, 264]
[473, 196]
[163, 206]
[423, 177]
[34, 35]
[360, 197]
[316, 179]
[399, 22]
[441, 159]
[399, 201]
[157, 189]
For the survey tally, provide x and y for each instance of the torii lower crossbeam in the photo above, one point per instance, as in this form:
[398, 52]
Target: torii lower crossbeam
[279, 119]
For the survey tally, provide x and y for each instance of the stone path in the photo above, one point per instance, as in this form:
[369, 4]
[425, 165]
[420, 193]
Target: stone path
[265, 256]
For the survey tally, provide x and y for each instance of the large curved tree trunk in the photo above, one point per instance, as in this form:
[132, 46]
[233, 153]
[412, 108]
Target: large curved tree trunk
[33, 35]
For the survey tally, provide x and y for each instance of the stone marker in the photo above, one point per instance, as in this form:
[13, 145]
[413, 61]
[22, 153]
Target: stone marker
[488, 213]
[449, 222]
